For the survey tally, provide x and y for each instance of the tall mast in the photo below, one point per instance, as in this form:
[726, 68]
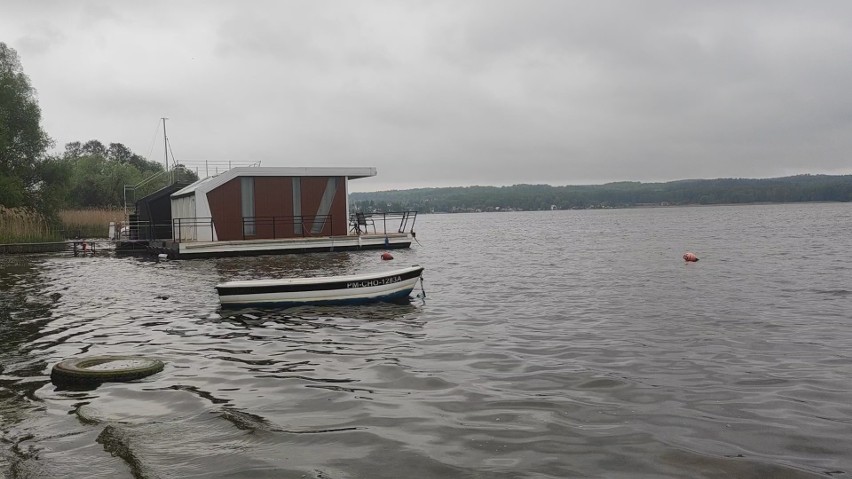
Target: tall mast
[166, 143]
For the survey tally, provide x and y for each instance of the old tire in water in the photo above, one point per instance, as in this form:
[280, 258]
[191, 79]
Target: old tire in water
[100, 369]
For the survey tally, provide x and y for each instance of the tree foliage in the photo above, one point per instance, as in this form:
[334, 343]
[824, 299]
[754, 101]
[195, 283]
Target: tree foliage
[97, 175]
[611, 195]
[88, 174]
[23, 143]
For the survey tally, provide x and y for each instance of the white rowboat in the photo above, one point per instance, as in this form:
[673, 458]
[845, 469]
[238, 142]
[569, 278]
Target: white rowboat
[391, 286]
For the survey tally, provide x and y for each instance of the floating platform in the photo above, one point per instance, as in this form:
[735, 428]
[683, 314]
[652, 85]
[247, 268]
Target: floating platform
[214, 249]
[28, 248]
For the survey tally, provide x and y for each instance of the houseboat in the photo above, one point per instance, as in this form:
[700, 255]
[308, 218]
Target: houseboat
[265, 210]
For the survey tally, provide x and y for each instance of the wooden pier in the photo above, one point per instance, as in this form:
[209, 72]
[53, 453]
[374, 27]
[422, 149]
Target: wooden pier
[77, 247]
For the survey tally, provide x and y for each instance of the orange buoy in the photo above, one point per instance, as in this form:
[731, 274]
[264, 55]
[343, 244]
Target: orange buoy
[690, 257]
[387, 256]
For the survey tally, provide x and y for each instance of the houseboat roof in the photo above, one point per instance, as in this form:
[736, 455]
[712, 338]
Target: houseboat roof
[207, 184]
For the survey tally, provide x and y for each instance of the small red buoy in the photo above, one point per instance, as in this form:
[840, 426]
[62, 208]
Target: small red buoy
[387, 256]
[690, 257]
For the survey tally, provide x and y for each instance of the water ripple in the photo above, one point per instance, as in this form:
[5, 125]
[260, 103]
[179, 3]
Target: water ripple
[550, 345]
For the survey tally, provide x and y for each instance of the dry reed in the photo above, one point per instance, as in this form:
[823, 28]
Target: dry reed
[23, 225]
[89, 223]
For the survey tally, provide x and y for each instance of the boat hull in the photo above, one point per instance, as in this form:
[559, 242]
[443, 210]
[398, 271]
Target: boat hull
[387, 286]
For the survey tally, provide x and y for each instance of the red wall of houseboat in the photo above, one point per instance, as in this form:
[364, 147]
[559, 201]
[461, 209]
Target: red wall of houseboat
[226, 210]
[273, 197]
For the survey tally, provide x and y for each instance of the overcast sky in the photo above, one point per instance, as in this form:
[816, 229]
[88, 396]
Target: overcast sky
[447, 93]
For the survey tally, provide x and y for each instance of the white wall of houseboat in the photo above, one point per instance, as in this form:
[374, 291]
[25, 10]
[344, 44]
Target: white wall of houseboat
[194, 226]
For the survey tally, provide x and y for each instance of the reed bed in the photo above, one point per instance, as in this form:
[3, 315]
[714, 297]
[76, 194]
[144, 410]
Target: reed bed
[89, 223]
[23, 225]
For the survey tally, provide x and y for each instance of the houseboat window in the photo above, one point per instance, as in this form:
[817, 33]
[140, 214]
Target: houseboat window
[247, 200]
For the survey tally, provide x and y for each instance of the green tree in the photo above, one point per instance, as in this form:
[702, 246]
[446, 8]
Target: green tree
[96, 180]
[22, 140]
[53, 189]
[96, 175]
[94, 147]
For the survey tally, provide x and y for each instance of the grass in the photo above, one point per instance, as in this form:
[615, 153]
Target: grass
[22, 225]
[89, 223]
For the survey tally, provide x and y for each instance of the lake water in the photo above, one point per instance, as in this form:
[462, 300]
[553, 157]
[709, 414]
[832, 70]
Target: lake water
[549, 345]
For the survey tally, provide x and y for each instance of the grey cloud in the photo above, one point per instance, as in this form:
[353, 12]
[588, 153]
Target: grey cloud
[432, 93]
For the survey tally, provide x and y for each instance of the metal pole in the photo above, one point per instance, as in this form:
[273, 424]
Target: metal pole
[165, 143]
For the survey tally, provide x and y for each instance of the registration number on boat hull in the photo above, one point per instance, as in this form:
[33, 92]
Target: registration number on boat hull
[373, 282]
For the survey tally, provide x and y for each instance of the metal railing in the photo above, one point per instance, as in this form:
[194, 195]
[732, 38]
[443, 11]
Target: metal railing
[286, 226]
[192, 229]
[141, 231]
[214, 168]
[152, 184]
[281, 227]
[389, 221]
[254, 227]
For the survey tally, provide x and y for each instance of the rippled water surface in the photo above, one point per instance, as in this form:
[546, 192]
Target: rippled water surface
[549, 345]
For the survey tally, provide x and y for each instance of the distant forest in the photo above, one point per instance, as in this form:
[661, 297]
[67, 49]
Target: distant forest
[611, 195]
